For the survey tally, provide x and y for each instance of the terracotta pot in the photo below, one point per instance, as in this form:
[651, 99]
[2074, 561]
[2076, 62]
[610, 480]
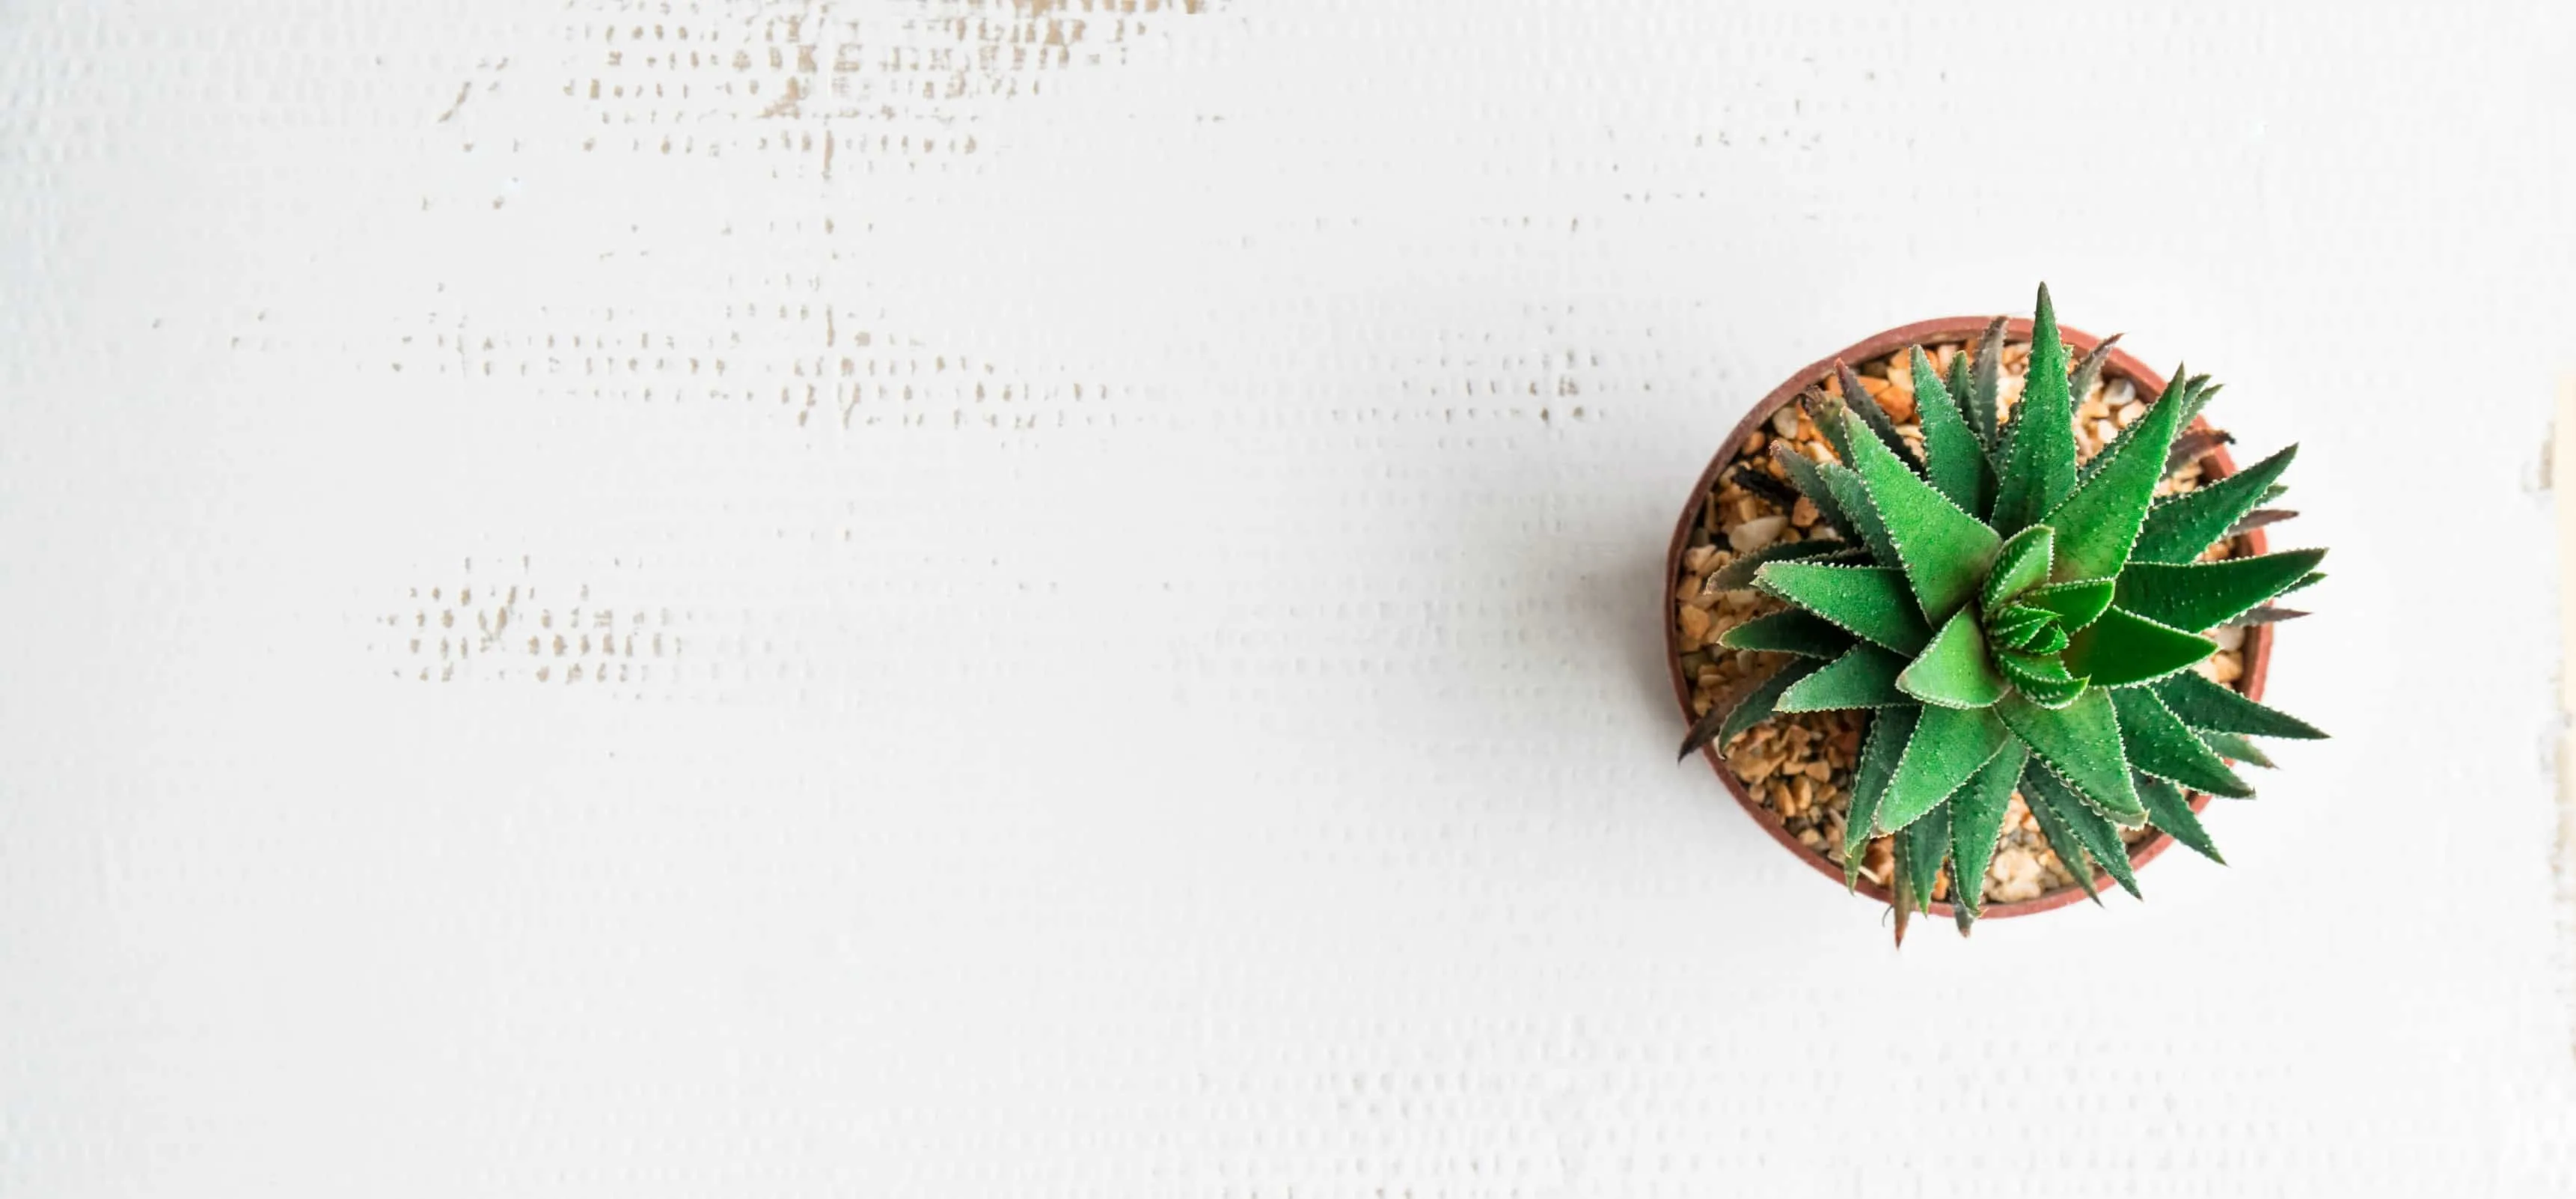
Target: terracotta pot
[2257, 650]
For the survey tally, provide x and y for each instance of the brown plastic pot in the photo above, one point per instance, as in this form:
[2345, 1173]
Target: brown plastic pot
[2257, 650]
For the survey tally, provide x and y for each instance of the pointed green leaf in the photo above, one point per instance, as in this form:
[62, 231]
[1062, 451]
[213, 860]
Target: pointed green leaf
[1831, 418]
[1864, 677]
[2179, 529]
[1953, 671]
[2216, 707]
[2062, 840]
[2041, 469]
[1803, 474]
[1794, 631]
[1945, 551]
[2121, 439]
[1889, 730]
[2196, 399]
[2040, 787]
[2081, 742]
[1985, 385]
[1977, 814]
[2076, 604]
[2235, 747]
[2195, 445]
[2039, 678]
[1858, 400]
[2124, 648]
[1871, 602]
[2158, 744]
[2203, 595]
[1924, 844]
[1952, 458]
[1852, 496]
[2101, 517]
[2088, 370]
[1738, 573]
[1948, 745]
[2168, 810]
[1725, 720]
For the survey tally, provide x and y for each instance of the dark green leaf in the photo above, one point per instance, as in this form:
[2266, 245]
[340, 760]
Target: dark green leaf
[2088, 370]
[1953, 460]
[2179, 529]
[2041, 787]
[1793, 631]
[2235, 747]
[1752, 706]
[2041, 469]
[2260, 518]
[1924, 844]
[2158, 744]
[2167, 810]
[2081, 742]
[1803, 474]
[2195, 445]
[1889, 730]
[2198, 398]
[2020, 565]
[1977, 814]
[2061, 840]
[2099, 520]
[1953, 671]
[1948, 745]
[1945, 551]
[2216, 707]
[1985, 385]
[1871, 602]
[1864, 677]
[2204, 595]
[1738, 572]
[1862, 405]
[2124, 648]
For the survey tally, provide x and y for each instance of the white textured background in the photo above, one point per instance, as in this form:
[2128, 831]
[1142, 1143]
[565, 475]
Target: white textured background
[1107, 573]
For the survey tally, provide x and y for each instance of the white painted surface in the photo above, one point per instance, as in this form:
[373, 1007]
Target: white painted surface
[1194, 726]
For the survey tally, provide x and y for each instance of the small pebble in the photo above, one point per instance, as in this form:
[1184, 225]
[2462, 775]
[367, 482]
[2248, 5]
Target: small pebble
[1756, 533]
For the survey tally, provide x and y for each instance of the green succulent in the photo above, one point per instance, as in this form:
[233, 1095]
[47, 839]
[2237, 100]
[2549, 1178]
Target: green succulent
[2012, 619]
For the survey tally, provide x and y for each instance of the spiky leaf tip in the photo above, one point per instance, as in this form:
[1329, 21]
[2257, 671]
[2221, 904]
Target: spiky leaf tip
[1945, 552]
[2041, 463]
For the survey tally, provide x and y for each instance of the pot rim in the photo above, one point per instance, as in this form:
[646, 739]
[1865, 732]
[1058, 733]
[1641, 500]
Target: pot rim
[2257, 650]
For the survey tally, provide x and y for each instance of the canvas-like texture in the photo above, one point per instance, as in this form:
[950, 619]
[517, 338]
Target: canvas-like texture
[1057, 597]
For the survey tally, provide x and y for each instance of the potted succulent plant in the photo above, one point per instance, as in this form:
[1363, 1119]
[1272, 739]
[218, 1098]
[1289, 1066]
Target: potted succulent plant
[1968, 607]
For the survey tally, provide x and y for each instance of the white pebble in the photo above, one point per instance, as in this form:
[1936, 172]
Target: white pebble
[1753, 534]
